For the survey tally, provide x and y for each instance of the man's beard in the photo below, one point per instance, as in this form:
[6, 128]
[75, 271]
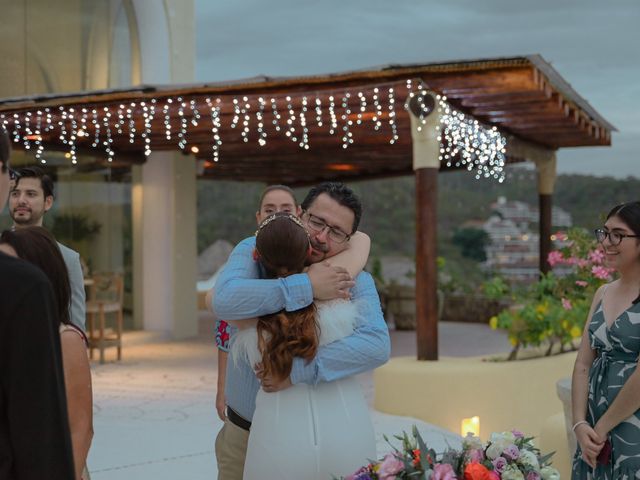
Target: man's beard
[25, 221]
[318, 248]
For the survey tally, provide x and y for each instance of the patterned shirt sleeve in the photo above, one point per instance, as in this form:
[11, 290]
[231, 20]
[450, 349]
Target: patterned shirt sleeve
[223, 334]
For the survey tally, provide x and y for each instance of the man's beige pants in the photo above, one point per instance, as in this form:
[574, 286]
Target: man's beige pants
[231, 450]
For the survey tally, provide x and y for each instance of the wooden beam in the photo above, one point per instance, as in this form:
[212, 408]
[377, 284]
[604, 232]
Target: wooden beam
[426, 265]
[545, 215]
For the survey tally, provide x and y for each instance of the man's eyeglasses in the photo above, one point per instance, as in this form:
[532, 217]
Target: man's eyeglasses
[614, 237]
[318, 225]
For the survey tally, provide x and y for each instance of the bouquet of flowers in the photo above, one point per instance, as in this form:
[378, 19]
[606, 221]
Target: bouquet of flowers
[506, 456]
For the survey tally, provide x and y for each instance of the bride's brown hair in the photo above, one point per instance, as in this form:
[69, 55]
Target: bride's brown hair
[282, 245]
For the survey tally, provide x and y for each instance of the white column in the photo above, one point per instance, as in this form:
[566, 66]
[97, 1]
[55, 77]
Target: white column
[164, 191]
[163, 204]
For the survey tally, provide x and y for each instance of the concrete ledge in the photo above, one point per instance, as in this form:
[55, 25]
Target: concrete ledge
[505, 395]
[553, 438]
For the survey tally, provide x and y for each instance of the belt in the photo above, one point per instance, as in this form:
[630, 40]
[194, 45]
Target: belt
[237, 420]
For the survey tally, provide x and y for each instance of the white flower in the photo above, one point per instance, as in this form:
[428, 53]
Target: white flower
[504, 437]
[511, 472]
[529, 459]
[472, 442]
[494, 450]
[549, 473]
[499, 441]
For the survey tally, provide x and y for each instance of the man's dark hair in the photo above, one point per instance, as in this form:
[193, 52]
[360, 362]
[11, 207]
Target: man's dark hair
[5, 149]
[341, 194]
[271, 188]
[36, 172]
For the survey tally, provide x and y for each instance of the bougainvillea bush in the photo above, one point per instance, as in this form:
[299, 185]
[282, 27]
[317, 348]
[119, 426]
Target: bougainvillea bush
[552, 312]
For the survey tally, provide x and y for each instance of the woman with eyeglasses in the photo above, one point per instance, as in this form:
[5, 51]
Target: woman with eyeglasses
[606, 383]
[37, 246]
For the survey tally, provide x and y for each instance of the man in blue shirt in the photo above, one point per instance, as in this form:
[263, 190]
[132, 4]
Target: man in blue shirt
[331, 213]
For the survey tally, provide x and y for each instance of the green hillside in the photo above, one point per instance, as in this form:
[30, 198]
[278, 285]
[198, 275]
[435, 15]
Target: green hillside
[226, 209]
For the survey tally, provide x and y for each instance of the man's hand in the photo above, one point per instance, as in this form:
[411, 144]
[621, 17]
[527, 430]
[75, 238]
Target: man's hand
[329, 282]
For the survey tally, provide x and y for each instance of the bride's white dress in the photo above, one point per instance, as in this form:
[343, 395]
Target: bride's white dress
[309, 431]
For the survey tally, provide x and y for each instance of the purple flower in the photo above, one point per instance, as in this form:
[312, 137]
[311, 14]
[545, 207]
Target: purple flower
[443, 471]
[357, 475]
[518, 433]
[511, 452]
[389, 467]
[499, 464]
[533, 476]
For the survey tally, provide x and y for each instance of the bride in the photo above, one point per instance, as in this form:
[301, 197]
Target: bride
[304, 431]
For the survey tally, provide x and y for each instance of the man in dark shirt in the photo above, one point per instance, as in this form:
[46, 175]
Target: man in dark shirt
[34, 430]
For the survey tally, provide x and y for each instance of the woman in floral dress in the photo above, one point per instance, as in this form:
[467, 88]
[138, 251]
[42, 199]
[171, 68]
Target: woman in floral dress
[605, 383]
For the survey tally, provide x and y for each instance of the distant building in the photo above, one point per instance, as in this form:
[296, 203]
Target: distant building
[514, 247]
[523, 214]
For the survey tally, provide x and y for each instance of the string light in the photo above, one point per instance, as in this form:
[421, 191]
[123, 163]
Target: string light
[276, 115]
[346, 122]
[262, 133]
[319, 112]
[291, 121]
[392, 117]
[303, 124]
[377, 117]
[246, 118]
[465, 143]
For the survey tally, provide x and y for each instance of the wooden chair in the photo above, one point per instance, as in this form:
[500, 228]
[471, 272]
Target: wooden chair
[106, 295]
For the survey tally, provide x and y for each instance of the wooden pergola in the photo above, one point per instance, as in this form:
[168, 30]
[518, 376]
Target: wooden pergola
[349, 126]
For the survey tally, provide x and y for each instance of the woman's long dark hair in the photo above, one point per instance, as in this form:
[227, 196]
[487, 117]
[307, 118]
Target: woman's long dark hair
[37, 246]
[282, 244]
[629, 213]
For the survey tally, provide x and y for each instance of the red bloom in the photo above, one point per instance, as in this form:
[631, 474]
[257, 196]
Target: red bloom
[416, 457]
[477, 471]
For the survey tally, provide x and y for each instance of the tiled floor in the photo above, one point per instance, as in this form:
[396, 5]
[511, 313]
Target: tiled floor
[154, 414]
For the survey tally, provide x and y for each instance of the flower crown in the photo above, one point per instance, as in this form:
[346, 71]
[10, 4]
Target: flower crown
[271, 218]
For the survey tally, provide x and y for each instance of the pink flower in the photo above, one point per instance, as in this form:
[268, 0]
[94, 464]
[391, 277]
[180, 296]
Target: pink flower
[596, 256]
[355, 475]
[581, 283]
[566, 304]
[517, 433]
[475, 455]
[443, 471]
[389, 467]
[499, 463]
[554, 258]
[572, 261]
[493, 475]
[533, 476]
[583, 263]
[601, 272]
